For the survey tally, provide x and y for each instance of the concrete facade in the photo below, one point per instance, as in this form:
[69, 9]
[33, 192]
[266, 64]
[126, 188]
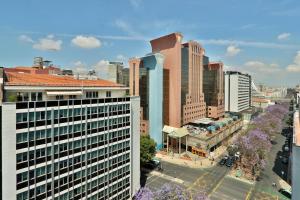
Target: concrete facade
[149, 71]
[170, 47]
[135, 144]
[213, 85]
[237, 91]
[296, 157]
[68, 147]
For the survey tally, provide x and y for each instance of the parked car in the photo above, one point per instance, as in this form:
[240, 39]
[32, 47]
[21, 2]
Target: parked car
[222, 161]
[286, 148]
[229, 162]
[285, 160]
[285, 193]
[153, 164]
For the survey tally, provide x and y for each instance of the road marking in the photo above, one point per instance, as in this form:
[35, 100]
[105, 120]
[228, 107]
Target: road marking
[170, 178]
[154, 178]
[249, 194]
[196, 181]
[218, 185]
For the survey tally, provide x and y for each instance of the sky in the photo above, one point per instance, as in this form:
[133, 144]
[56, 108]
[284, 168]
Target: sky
[259, 37]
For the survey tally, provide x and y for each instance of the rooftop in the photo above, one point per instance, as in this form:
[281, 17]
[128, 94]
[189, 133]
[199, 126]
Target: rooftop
[24, 79]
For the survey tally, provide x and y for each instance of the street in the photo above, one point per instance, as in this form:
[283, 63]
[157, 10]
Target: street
[273, 171]
[217, 184]
[212, 180]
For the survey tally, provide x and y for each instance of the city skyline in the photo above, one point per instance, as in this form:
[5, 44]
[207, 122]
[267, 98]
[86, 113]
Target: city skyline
[261, 41]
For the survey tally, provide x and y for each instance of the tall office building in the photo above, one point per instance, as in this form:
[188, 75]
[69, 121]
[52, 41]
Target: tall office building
[213, 86]
[170, 47]
[118, 74]
[146, 81]
[237, 91]
[192, 97]
[63, 138]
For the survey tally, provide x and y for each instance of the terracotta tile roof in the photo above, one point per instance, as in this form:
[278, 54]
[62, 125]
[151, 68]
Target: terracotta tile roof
[19, 79]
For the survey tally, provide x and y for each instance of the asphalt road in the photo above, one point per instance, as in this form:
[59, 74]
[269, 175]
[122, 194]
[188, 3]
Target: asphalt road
[231, 189]
[212, 180]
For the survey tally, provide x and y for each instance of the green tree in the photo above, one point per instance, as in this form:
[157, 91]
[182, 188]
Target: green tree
[148, 149]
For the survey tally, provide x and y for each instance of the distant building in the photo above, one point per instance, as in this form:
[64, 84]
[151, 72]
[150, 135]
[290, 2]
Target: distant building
[67, 72]
[118, 74]
[213, 86]
[146, 81]
[64, 138]
[125, 73]
[237, 91]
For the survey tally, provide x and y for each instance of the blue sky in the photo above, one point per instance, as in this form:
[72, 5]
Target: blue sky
[261, 37]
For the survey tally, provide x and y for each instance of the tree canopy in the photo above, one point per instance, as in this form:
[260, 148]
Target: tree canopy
[148, 149]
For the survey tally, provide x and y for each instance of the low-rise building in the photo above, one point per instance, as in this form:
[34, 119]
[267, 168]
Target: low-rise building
[202, 136]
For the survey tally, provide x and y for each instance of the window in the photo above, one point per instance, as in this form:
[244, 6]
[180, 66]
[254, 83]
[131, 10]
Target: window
[22, 117]
[22, 137]
[59, 97]
[72, 96]
[22, 96]
[108, 93]
[22, 196]
[92, 94]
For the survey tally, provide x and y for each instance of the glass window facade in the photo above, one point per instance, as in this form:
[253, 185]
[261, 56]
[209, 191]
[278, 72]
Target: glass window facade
[74, 151]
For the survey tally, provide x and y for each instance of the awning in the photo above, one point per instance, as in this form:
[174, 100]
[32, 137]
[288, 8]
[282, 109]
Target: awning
[175, 132]
[55, 93]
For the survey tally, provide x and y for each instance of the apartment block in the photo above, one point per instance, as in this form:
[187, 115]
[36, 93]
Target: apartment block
[237, 91]
[147, 82]
[63, 138]
[213, 86]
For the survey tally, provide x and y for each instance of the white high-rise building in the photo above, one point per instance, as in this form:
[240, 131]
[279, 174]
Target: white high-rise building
[237, 90]
[63, 138]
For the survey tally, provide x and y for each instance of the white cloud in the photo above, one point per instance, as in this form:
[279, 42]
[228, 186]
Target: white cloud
[101, 68]
[258, 67]
[127, 28]
[25, 38]
[48, 44]
[295, 67]
[247, 26]
[223, 42]
[80, 67]
[86, 42]
[121, 57]
[232, 50]
[283, 36]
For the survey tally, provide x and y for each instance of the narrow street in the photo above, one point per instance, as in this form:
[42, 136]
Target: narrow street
[272, 173]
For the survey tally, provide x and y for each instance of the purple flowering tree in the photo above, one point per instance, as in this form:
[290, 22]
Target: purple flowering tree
[254, 147]
[170, 192]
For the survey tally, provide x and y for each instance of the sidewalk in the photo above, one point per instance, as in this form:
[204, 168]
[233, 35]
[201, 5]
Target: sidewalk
[192, 160]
